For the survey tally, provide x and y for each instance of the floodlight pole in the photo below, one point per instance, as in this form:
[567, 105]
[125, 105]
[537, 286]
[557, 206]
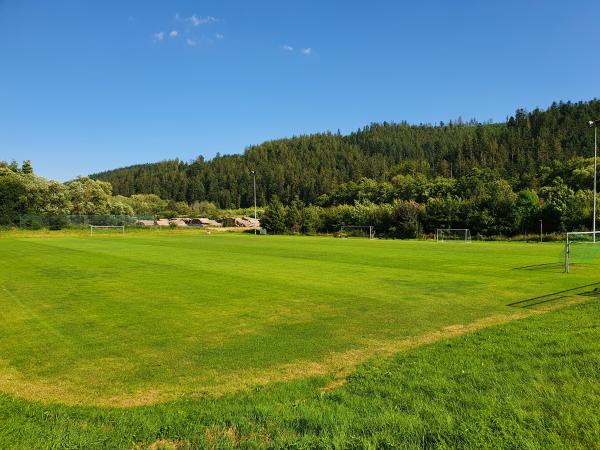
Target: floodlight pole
[595, 171]
[594, 123]
[254, 183]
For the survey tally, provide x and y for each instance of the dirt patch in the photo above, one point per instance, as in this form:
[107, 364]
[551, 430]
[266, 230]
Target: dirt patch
[163, 444]
[215, 436]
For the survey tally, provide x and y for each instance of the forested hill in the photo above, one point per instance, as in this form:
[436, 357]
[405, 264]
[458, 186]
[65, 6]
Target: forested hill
[308, 166]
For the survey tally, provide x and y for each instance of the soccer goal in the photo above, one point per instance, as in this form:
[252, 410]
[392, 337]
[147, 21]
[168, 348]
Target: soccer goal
[367, 231]
[94, 229]
[581, 247]
[453, 234]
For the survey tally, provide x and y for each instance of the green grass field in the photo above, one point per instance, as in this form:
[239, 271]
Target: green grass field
[233, 339]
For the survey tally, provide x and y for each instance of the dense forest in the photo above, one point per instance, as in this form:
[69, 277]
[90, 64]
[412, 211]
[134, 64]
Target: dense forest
[405, 180]
[519, 150]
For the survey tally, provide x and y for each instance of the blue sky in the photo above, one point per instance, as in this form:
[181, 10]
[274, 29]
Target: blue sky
[87, 86]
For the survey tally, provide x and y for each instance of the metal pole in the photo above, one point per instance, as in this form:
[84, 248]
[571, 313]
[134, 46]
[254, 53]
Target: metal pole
[254, 182]
[595, 171]
[567, 251]
[541, 230]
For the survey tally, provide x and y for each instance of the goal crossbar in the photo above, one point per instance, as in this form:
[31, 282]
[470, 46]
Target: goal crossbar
[369, 228]
[465, 234]
[95, 227]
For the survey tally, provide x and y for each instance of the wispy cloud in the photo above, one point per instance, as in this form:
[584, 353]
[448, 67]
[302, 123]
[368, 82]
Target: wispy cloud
[306, 51]
[184, 31]
[199, 20]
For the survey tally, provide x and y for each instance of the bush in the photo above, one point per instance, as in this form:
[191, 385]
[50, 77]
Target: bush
[57, 222]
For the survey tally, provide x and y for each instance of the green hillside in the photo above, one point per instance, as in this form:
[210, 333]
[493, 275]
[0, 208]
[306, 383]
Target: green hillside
[308, 166]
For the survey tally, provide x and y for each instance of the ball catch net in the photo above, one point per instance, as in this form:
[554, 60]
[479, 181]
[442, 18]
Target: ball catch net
[581, 247]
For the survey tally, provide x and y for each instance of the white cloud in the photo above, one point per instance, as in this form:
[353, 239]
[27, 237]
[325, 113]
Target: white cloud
[173, 33]
[287, 48]
[199, 20]
[219, 36]
[306, 51]
[191, 42]
[159, 36]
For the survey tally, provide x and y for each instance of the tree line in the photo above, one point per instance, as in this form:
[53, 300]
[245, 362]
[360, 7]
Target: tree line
[496, 179]
[415, 205]
[24, 193]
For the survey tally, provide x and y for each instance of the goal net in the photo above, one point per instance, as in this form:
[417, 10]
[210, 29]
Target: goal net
[367, 231]
[95, 229]
[581, 247]
[453, 234]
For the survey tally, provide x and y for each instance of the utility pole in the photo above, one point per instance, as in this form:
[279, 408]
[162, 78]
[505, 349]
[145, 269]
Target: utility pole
[254, 182]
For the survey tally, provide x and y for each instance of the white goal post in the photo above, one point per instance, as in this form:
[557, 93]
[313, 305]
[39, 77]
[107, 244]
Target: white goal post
[587, 253]
[369, 230]
[453, 234]
[104, 227]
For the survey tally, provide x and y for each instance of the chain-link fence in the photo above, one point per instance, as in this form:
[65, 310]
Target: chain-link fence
[61, 221]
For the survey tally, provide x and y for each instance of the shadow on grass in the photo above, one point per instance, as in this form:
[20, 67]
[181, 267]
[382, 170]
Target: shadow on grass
[546, 266]
[587, 290]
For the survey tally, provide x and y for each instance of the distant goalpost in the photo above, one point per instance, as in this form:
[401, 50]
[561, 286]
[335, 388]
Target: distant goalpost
[453, 234]
[581, 247]
[93, 228]
[358, 231]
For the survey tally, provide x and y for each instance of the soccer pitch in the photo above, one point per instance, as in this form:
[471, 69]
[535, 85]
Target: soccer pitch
[136, 319]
